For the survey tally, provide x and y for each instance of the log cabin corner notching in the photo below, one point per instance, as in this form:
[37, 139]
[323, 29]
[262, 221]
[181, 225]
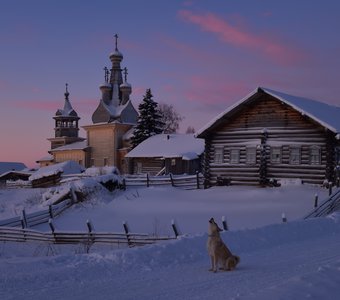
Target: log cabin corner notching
[270, 135]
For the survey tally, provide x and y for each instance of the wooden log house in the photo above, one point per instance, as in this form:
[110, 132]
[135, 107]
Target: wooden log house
[270, 136]
[166, 153]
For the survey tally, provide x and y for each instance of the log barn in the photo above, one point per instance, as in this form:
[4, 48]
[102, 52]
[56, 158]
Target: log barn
[166, 153]
[270, 136]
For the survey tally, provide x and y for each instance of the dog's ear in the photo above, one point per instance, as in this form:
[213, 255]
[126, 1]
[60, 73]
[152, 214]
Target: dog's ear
[211, 220]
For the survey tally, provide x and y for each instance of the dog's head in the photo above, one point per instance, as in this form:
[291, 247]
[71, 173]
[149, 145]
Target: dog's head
[213, 227]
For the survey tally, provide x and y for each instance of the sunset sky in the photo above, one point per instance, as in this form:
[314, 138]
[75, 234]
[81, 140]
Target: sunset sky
[199, 56]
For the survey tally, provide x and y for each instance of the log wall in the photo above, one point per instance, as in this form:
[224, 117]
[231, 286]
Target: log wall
[283, 128]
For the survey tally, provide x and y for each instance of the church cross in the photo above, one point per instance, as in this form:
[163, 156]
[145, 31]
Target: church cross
[125, 73]
[116, 37]
[106, 74]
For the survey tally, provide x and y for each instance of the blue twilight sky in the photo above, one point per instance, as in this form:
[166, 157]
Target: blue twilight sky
[199, 56]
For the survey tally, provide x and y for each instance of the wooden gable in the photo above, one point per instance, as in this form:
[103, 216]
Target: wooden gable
[264, 138]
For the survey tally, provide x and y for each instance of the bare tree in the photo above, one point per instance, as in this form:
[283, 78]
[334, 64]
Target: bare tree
[190, 129]
[170, 117]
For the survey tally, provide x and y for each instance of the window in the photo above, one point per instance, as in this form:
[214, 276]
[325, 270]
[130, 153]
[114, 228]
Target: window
[218, 155]
[105, 161]
[315, 155]
[139, 168]
[92, 162]
[251, 156]
[275, 155]
[234, 156]
[173, 162]
[295, 156]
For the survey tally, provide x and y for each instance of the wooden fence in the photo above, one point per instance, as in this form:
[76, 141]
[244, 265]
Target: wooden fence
[331, 204]
[31, 219]
[188, 182]
[15, 234]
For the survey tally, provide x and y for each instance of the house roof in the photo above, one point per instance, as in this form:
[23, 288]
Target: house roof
[324, 114]
[11, 166]
[185, 146]
[66, 167]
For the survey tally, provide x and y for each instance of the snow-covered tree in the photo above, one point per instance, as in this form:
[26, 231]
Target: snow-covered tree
[170, 117]
[149, 121]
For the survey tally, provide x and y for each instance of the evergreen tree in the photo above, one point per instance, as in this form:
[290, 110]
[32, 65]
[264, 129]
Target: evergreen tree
[149, 120]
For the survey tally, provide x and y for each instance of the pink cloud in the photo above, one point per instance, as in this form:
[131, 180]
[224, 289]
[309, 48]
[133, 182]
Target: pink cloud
[241, 37]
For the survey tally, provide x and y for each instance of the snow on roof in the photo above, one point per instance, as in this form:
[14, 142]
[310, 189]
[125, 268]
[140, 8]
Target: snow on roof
[66, 167]
[73, 146]
[185, 146]
[324, 114]
[46, 158]
[11, 166]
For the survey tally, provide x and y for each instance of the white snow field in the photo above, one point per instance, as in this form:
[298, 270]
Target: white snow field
[299, 259]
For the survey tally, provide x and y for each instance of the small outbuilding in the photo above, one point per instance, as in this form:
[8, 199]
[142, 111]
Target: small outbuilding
[166, 153]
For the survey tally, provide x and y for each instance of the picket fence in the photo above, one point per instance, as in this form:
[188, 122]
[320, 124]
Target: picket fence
[329, 205]
[188, 182]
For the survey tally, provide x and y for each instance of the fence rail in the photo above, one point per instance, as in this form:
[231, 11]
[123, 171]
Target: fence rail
[331, 204]
[181, 181]
[36, 218]
[11, 234]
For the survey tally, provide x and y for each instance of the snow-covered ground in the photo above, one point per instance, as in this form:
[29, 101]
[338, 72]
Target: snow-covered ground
[294, 260]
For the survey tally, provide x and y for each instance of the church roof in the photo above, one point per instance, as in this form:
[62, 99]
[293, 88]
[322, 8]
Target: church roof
[82, 145]
[324, 114]
[68, 110]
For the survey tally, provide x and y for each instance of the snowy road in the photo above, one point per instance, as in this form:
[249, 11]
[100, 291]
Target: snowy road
[296, 260]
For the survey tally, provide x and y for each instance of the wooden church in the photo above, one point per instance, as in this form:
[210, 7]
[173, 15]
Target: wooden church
[270, 136]
[107, 139]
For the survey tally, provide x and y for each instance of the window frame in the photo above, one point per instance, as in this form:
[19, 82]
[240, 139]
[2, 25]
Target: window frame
[292, 155]
[311, 155]
[218, 155]
[277, 160]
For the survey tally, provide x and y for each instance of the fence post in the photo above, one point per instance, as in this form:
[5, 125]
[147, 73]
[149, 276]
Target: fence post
[24, 219]
[224, 223]
[50, 222]
[89, 226]
[337, 182]
[316, 198]
[50, 211]
[172, 180]
[284, 219]
[197, 180]
[126, 229]
[330, 188]
[124, 184]
[174, 227]
[147, 180]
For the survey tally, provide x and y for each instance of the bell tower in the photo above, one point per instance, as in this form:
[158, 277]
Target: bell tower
[66, 125]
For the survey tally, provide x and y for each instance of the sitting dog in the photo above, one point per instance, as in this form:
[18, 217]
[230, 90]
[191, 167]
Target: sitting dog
[218, 251]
